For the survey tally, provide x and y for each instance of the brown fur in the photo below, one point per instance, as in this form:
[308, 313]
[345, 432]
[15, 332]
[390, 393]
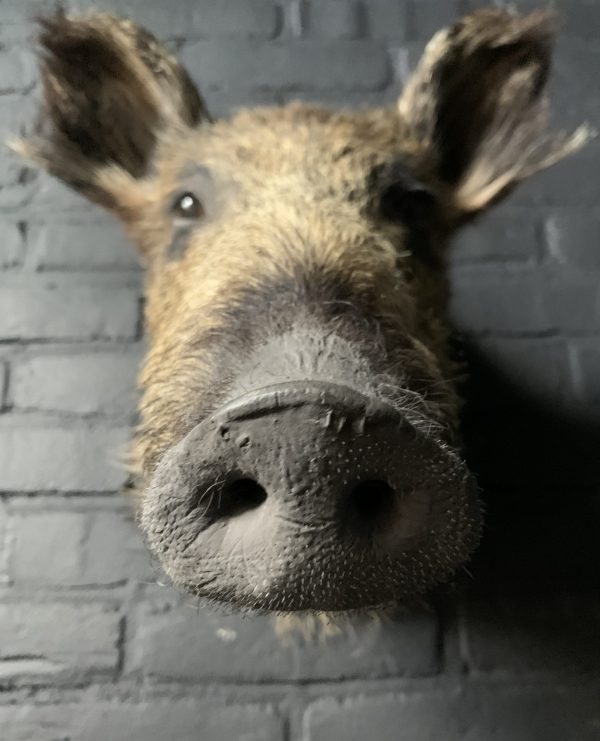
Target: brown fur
[292, 192]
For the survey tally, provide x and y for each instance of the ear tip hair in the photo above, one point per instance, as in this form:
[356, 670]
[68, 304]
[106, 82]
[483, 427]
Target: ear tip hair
[546, 20]
[583, 134]
[28, 148]
[51, 26]
[60, 35]
[17, 145]
[510, 22]
[540, 25]
[52, 18]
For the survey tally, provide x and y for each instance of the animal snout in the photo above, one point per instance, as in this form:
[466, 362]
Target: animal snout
[306, 495]
[317, 452]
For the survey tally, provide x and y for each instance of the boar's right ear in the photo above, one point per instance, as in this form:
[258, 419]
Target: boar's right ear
[477, 105]
[109, 90]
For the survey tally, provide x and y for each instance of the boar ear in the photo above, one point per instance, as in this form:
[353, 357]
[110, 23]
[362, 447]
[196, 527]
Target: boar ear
[477, 102]
[109, 90]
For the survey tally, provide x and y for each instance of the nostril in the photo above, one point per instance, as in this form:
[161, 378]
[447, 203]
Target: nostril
[371, 501]
[240, 496]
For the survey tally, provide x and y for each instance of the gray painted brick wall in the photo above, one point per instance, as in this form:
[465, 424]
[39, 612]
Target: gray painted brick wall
[92, 646]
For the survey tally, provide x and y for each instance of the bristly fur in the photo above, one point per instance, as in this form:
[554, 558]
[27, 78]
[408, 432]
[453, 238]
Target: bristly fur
[493, 67]
[109, 88]
[295, 209]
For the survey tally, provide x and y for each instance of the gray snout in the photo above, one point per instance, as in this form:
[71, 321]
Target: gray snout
[319, 453]
[308, 495]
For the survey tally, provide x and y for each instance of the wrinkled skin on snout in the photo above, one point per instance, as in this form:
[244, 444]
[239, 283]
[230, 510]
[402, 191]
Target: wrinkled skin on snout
[298, 444]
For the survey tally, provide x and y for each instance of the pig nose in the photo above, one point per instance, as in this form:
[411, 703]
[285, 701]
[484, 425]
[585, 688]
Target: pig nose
[309, 495]
[315, 454]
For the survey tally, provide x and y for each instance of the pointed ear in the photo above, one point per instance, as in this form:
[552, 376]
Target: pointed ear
[109, 90]
[477, 104]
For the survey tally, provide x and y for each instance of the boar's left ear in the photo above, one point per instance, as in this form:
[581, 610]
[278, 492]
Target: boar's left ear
[477, 103]
[109, 89]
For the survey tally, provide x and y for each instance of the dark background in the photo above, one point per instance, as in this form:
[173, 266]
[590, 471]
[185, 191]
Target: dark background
[91, 646]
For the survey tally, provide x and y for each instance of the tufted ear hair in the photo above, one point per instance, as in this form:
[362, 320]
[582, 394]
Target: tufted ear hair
[109, 90]
[477, 104]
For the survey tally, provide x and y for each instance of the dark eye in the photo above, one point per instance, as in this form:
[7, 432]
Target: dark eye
[187, 206]
[412, 205]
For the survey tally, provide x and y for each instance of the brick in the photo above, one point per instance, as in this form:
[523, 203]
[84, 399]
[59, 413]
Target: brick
[60, 308]
[3, 385]
[585, 356]
[5, 544]
[580, 19]
[335, 19]
[181, 719]
[176, 641]
[572, 301]
[242, 18]
[571, 236]
[79, 245]
[499, 301]
[14, 32]
[400, 56]
[16, 13]
[429, 16]
[18, 68]
[50, 195]
[359, 65]
[204, 18]
[573, 78]
[21, 11]
[95, 382]
[387, 20]
[41, 457]
[415, 50]
[92, 548]
[19, 183]
[492, 713]
[47, 548]
[507, 234]
[571, 182]
[114, 550]
[543, 633]
[39, 641]
[12, 246]
[16, 113]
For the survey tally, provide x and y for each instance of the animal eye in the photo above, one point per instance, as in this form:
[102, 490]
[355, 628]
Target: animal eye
[188, 206]
[412, 205]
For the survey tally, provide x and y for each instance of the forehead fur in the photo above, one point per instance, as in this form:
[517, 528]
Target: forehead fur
[296, 137]
[301, 154]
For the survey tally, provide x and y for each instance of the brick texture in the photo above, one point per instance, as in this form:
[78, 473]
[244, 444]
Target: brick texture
[12, 248]
[58, 245]
[168, 718]
[42, 642]
[77, 382]
[78, 457]
[93, 644]
[305, 64]
[70, 547]
[36, 308]
[478, 712]
[173, 641]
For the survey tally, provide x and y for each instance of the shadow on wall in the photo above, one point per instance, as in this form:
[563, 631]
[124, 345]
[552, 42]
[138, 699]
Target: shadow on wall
[532, 603]
[539, 468]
